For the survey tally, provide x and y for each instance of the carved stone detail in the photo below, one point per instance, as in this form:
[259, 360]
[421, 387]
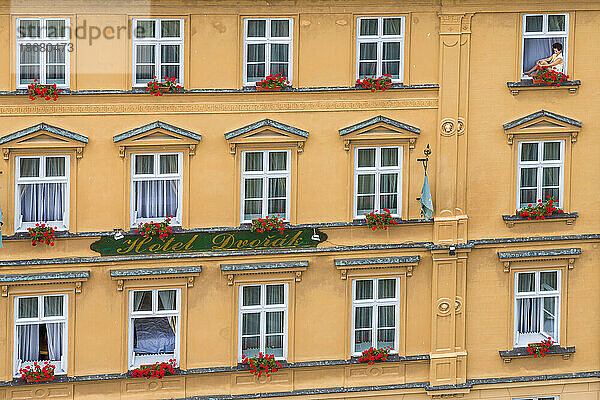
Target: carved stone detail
[460, 126]
[448, 127]
[190, 281]
[232, 148]
[443, 306]
[4, 290]
[122, 151]
[120, 283]
[5, 153]
[300, 147]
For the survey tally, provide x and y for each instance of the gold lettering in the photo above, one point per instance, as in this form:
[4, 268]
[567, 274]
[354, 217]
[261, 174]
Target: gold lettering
[278, 242]
[241, 244]
[189, 243]
[223, 241]
[154, 247]
[131, 244]
[296, 240]
[254, 243]
[177, 246]
[142, 242]
[167, 243]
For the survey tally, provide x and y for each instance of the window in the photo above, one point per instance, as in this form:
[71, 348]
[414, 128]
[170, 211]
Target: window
[40, 331]
[375, 314]
[540, 32]
[156, 187]
[157, 50]
[380, 47]
[263, 320]
[267, 48]
[42, 192]
[377, 180]
[540, 172]
[265, 184]
[154, 321]
[537, 306]
[43, 51]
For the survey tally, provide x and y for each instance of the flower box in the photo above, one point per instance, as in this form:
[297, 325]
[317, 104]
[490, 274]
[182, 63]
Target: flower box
[262, 364]
[160, 229]
[541, 210]
[38, 373]
[373, 355]
[382, 83]
[157, 88]
[42, 233]
[157, 370]
[268, 89]
[46, 92]
[272, 223]
[540, 349]
[272, 83]
[379, 220]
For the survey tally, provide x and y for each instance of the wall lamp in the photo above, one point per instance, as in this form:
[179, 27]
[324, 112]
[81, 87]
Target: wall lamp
[452, 250]
[118, 234]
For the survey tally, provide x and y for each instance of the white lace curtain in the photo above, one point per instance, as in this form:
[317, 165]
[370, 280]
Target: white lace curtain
[42, 201]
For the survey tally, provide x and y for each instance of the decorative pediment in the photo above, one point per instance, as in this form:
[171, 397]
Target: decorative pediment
[542, 123]
[43, 136]
[157, 133]
[233, 272]
[508, 258]
[266, 131]
[71, 278]
[379, 128]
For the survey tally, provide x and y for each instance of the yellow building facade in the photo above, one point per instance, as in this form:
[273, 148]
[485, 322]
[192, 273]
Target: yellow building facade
[458, 297]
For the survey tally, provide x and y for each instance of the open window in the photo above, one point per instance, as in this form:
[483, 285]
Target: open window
[540, 32]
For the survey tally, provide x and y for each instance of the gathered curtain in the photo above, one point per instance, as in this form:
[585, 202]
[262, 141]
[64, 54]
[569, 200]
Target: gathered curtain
[535, 49]
[528, 315]
[156, 198]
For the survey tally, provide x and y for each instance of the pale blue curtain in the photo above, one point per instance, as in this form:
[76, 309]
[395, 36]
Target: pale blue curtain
[537, 48]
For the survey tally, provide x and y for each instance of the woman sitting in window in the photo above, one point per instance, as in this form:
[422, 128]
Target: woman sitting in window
[554, 62]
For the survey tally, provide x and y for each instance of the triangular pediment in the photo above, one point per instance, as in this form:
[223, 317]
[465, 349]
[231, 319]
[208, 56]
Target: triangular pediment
[43, 136]
[157, 133]
[266, 131]
[542, 122]
[379, 128]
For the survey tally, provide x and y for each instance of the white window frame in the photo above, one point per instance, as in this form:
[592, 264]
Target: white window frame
[60, 366]
[375, 303]
[268, 40]
[263, 308]
[43, 39]
[380, 38]
[377, 170]
[522, 340]
[176, 221]
[136, 361]
[540, 164]
[157, 41]
[545, 34]
[61, 225]
[265, 175]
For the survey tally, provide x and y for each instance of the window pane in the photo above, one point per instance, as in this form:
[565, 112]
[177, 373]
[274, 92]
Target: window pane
[529, 152]
[391, 68]
[55, 28]
[142, 300]
[368, 27]
[145, 54]
[277, 68]
[362, 340]
[29, 29]
[275, 294]
[365, 204]
[387, 288]
[367, 69]
[280, 28]
[167, 300]
[386, 317]
[29, 54]
[257, 28]
[169, 54]
[389, 157]
[277, 187]
[366, 158]
[144, 164]
[145, 29]
[274, 345]
[528, 196]
[274, 322]
[277, 161]
[392, 26]
[368, 51]
[551, 176]
[28, 73]
[556, 23]
[53, 306]
[548, 315]
[256, 52]
[363, 317]
[250, 346]
[55, 54]
[533, 23]
[528, 177]
[385, 338]
[55, 166]
[42, 202]
[255, 72]
[252, 209]
[251, 295]
[366, 184]
[253, 188]
[526, 282]
[55, 74]
[537, 48]
[552, 192]
[29, 167]
[364, 290]
[28, 307]
[390, 202]
[551, 151]
[144, 73]
[277, 207]
[548, 281]
[157, 198]
[169, 29]
[391, 51]
[168, 163]
[254, 161]
[388, 183]
[279, 53]
[250, 323]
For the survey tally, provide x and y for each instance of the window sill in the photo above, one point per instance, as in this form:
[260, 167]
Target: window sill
[568, 218]
[521, 352]
[528, 85]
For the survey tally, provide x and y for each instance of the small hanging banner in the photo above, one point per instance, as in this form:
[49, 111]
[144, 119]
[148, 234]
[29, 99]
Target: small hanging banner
[426, 202]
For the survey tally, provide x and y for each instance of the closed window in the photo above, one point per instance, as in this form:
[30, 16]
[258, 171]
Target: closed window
[263, 320]
[43, 51]
[41, 332]
[42, 192]
[265, 184]
[375, 314]
[154, 326]
[156, 188]
[157, 50]
[540, 172]
[540, 32]
[380, 47]
[537, 307]
[377, 180]
[267, 48]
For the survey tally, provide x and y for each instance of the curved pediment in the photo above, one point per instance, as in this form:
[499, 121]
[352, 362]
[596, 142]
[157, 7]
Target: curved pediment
[542, 123]
[266, 131]
[43, 136]
[379, 128]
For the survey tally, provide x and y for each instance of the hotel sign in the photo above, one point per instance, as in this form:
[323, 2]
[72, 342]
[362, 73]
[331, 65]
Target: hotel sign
[208, 241]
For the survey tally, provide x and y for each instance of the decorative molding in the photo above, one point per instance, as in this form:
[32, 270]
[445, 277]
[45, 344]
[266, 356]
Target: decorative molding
[358, 264]
[232, 271]
[380, 128]
[130, 274]
[527, 85]
[567, 218]
[542, 123]
[267, 131]
[521, 352]
[157, 133]
[44, 278]
[448, 126]
[508, 257]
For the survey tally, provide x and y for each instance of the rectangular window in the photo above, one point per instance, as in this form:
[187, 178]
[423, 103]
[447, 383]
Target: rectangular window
[154, 326]
[156, 187]
[540, 32]
[157, 50]
[380, 47]
[537, 307]
[540, 172]
[41, 331]
[377, 180]
[43, 51]
[42, 192]
[265, 184]
[267, 48]
[263, 320]
[375, 314]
